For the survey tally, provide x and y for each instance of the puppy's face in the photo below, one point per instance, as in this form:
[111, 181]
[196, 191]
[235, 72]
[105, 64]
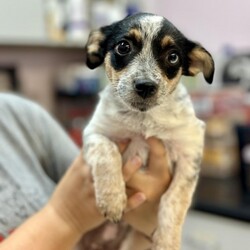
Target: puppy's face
[144, 57]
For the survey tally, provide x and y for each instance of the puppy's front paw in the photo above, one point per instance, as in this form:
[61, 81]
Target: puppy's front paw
[104, 158]
[112, 204]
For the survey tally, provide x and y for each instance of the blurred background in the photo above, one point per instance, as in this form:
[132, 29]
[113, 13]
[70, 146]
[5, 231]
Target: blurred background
[42, 57]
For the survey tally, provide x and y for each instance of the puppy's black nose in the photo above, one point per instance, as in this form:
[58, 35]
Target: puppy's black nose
[145, 88]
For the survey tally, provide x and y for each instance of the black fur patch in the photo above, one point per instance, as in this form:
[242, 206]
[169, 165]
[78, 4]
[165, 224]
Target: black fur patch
[120, 62]
[179, 46]
[118, 32]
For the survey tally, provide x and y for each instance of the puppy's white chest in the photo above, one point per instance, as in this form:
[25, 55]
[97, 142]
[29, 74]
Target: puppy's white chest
[173, 123]
[134, 124]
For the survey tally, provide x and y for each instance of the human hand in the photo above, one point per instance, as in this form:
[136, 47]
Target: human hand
[72, 211]
[74, 199]
[152, 182]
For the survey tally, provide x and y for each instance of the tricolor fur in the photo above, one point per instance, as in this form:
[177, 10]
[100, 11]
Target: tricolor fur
[144, 56]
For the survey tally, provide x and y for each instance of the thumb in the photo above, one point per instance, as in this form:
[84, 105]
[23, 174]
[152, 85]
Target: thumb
[135, 201]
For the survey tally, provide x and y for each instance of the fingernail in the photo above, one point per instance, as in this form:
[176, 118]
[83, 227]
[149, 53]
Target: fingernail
[136, 161]
[141, 197]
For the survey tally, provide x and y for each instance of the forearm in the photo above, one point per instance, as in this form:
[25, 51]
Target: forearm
[44, 230]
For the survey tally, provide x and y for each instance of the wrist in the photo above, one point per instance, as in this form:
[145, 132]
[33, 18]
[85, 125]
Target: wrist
[44, 230]
[65, 225]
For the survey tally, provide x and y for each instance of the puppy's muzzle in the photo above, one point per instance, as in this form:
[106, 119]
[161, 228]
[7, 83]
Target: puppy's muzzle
[145, 88]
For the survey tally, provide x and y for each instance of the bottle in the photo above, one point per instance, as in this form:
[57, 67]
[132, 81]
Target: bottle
[77, 21]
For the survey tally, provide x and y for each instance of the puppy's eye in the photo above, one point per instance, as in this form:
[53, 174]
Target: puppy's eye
[173, 58]
[123, 48]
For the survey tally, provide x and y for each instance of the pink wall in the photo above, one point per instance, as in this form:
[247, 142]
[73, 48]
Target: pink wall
[213, 23]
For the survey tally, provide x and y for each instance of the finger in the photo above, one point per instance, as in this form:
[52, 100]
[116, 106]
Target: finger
[159, 167]
[135, 201]
[158, 163]
[156, 146]
[131, 167]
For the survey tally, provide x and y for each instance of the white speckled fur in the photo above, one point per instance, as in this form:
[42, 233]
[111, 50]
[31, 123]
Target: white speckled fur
[183, 139]
[172, 120]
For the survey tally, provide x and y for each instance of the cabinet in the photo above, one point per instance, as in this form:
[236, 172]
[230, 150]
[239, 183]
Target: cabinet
[36, 66]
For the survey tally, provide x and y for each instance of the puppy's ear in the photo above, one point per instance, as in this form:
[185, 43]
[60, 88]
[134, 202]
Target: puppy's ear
[200, 60]
[95, 48]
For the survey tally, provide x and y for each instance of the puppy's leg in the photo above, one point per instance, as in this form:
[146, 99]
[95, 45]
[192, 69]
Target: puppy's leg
[173, 207]
[104, 158]
[136, 241]
[176, 201]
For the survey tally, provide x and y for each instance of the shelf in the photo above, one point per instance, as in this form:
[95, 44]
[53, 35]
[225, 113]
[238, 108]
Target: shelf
[222, 197]
[40, 44]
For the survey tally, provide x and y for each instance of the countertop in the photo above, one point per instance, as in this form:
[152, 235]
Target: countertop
[204, 231]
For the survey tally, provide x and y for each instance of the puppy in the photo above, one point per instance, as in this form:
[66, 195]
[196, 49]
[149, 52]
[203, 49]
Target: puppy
[144, 56]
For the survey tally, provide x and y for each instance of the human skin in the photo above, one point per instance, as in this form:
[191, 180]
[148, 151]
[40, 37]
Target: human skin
[71, 212]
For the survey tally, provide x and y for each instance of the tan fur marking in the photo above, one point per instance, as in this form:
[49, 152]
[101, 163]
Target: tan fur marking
[135, 33]
[112, 74]
[201, 62]
[172, 84]
[167, 41]
[93, 43]
[92, 48]
[108, 68]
